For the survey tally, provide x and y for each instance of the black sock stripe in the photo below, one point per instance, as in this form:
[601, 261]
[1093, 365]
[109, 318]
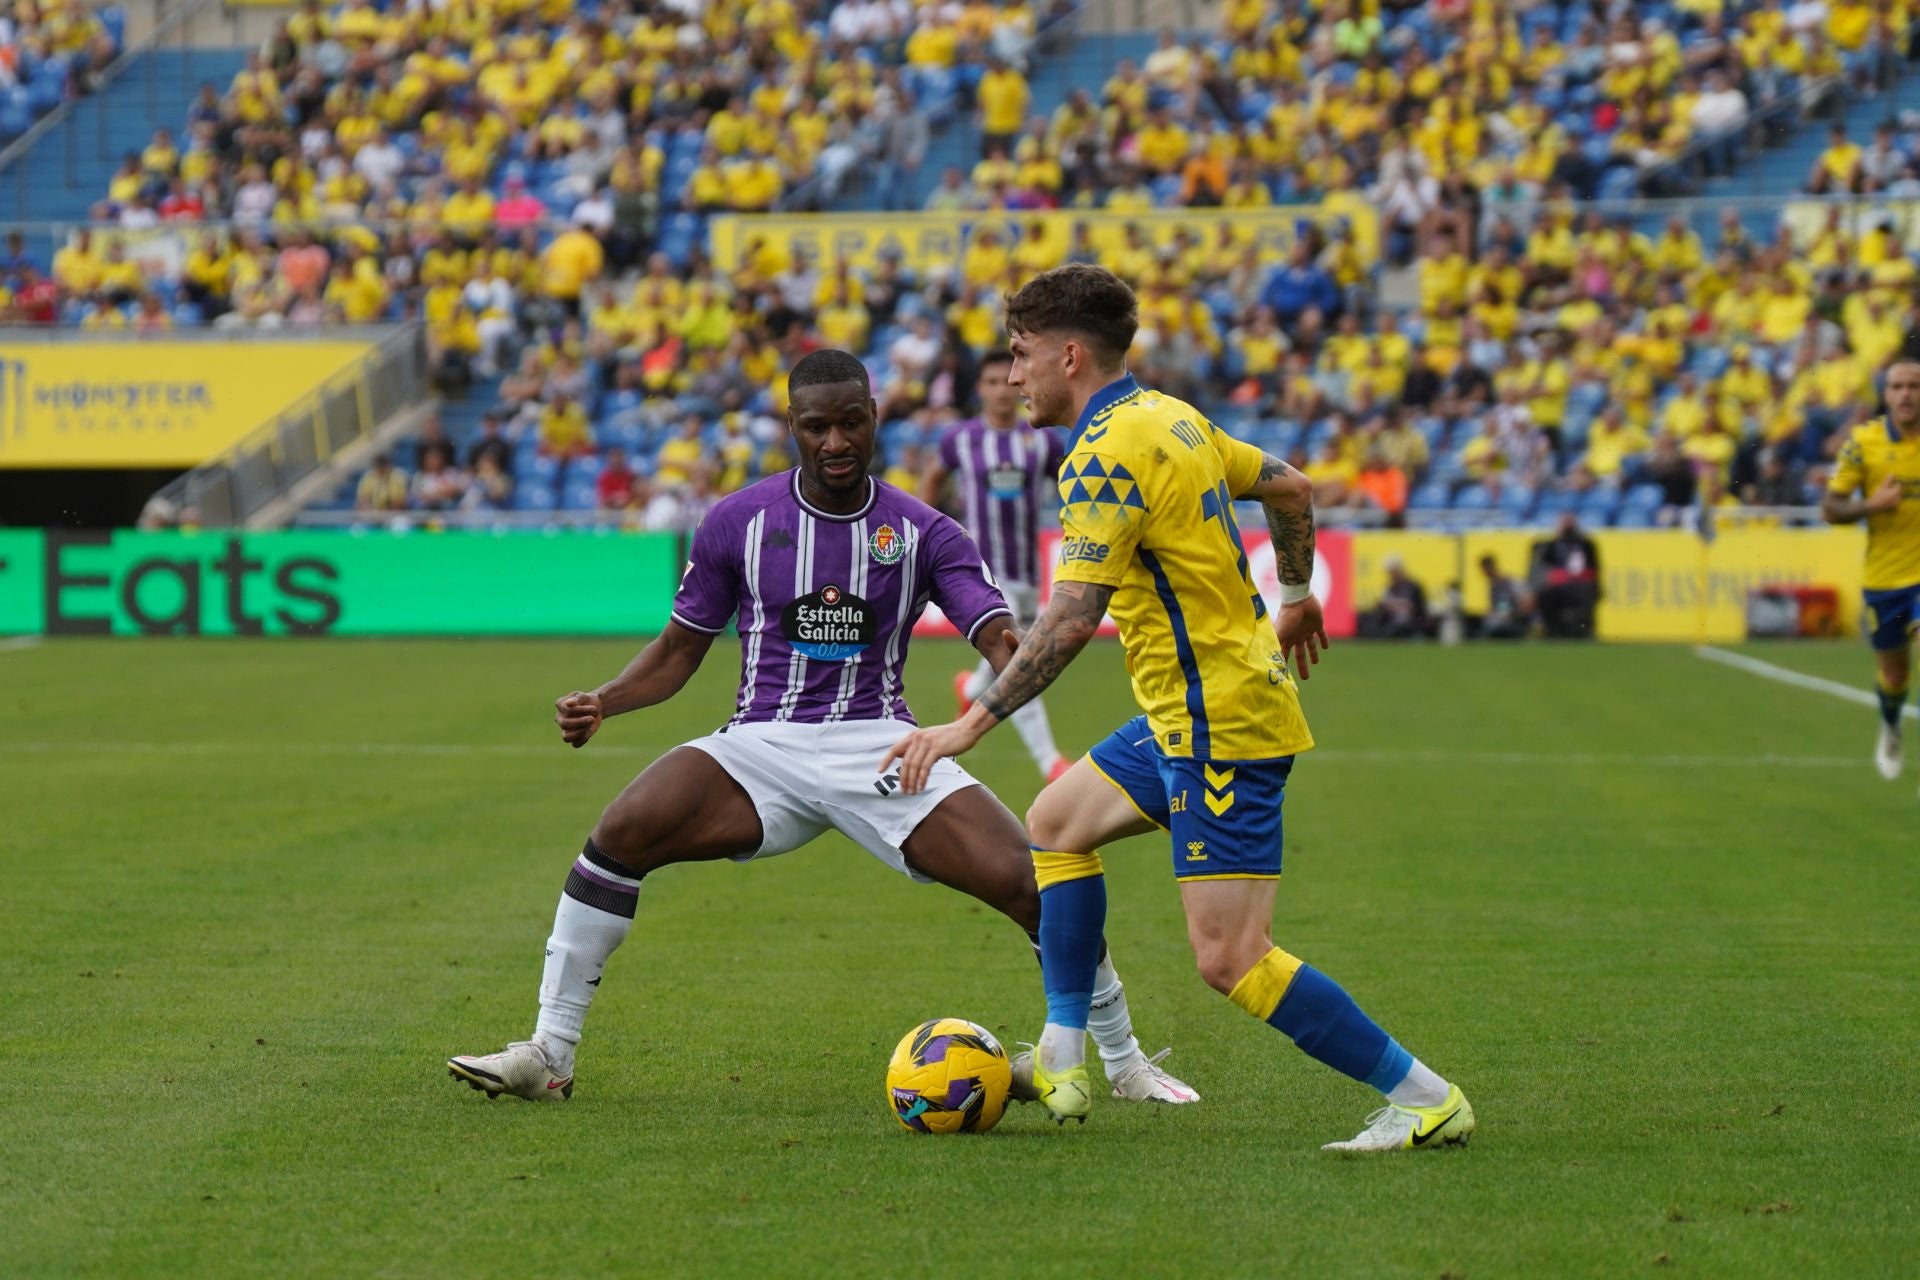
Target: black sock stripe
[594, 894]
[600, 858]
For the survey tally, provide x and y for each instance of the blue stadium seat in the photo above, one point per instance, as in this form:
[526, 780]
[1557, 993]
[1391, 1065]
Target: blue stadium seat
[1516, 503]
[1472, 498]
[532, 496]
[1597, 507]
[543, 469]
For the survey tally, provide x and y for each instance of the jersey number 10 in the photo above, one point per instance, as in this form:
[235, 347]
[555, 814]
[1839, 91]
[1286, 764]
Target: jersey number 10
[1217, 503]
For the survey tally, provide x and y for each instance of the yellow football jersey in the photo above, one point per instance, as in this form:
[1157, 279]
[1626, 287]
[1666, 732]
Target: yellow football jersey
[1147, 487]
[1872, 453]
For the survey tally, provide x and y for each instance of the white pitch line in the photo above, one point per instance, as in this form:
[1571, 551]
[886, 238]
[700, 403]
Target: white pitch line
[1557, 758]
[18, 642]
[1333, 755]
[1798, 679]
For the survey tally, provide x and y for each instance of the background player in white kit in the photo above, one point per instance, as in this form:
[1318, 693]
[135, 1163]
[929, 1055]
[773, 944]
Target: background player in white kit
[1001, 472]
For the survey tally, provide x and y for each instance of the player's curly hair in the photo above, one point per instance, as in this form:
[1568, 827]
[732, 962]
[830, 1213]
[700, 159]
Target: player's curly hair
[1081, 299]
[828, 365]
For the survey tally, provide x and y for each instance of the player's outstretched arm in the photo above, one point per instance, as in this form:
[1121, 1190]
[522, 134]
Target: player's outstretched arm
[1844, 508]
[1287, 497]
[1071, 619]
[656, 673]
[997, 642]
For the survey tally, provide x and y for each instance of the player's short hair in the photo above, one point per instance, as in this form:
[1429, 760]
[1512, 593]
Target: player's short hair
[993, 356]
[828, 365]
[1081, 299]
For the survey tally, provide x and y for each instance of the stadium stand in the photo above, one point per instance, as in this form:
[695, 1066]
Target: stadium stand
[50, 52]
[534, 183]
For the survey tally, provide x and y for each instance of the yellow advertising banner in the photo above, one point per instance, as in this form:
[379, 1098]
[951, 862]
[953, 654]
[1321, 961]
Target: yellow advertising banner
[97, 403]
[1512, 552]
[936, 240]
[1664, 586]
[1431, 559]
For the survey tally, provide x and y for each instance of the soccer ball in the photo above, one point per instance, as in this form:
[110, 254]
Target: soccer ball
[948, 1076]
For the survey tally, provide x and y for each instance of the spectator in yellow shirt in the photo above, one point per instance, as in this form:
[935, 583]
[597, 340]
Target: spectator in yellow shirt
[468, 211]
[753, 184]
[843, 322]
[1838, 169]
[382, 488]
[564, 432]
[76, 266]
[1002, 95]
[569, 264]
[1163, 145]
[1332, 474]
[1610, 442]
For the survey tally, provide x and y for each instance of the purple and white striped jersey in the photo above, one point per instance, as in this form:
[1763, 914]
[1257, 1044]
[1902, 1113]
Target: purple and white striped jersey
[1005, 478]
[825, 604]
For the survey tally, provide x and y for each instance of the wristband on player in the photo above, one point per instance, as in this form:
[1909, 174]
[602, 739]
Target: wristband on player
[1295, 592]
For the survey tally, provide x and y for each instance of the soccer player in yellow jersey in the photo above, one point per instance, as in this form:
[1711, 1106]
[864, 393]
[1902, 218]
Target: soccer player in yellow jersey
[1148, 529]
[1881, 462]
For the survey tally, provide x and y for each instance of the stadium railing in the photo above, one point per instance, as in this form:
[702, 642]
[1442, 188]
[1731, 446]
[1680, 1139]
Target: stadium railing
[1774, 124]
[345, 410]
[175, 31]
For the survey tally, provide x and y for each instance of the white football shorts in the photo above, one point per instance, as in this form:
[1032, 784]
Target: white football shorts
[806, 778]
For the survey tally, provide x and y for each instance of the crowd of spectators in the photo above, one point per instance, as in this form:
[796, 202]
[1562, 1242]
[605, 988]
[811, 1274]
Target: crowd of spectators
[504, 174]
[1427, 104]
[61, 45]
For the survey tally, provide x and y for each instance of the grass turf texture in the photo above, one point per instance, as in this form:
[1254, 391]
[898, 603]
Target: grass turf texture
[257, 891]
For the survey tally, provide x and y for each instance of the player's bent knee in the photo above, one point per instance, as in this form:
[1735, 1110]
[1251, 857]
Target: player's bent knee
[1050, 824]
[1223, 962]
[627, 838]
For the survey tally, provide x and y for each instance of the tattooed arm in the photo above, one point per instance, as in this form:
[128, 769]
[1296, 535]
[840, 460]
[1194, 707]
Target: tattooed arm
[1287, 498]
[1071, 619]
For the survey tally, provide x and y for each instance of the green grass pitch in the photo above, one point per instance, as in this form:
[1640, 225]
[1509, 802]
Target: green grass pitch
[1657, 916]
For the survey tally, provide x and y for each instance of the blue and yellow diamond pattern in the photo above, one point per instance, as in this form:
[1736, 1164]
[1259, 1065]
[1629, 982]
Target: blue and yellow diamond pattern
[1089, 483]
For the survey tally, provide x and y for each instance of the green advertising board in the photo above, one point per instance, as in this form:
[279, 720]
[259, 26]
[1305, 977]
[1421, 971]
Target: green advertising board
[221, 583]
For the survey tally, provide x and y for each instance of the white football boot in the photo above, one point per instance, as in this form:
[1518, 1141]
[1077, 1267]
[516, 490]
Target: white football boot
[1142, 1080]
[1397, 1128]
[1889, 753]
[520, 1069]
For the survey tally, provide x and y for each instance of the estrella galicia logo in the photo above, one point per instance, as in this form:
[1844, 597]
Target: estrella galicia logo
[828, 625]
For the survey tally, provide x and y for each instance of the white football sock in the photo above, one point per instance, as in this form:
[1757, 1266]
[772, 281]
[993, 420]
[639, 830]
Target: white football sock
[1031, 723]
[1108, 1021]
[982, 677]
[1061, 1047]
[583, 937]
[1421, 1088]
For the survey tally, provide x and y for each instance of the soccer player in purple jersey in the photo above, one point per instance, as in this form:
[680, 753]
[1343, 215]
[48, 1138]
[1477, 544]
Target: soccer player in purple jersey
[823, 571]
[1002, 470]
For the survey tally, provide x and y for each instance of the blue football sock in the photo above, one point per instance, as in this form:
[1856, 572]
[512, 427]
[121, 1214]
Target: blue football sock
[1316, 1013]
[1073, 914]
